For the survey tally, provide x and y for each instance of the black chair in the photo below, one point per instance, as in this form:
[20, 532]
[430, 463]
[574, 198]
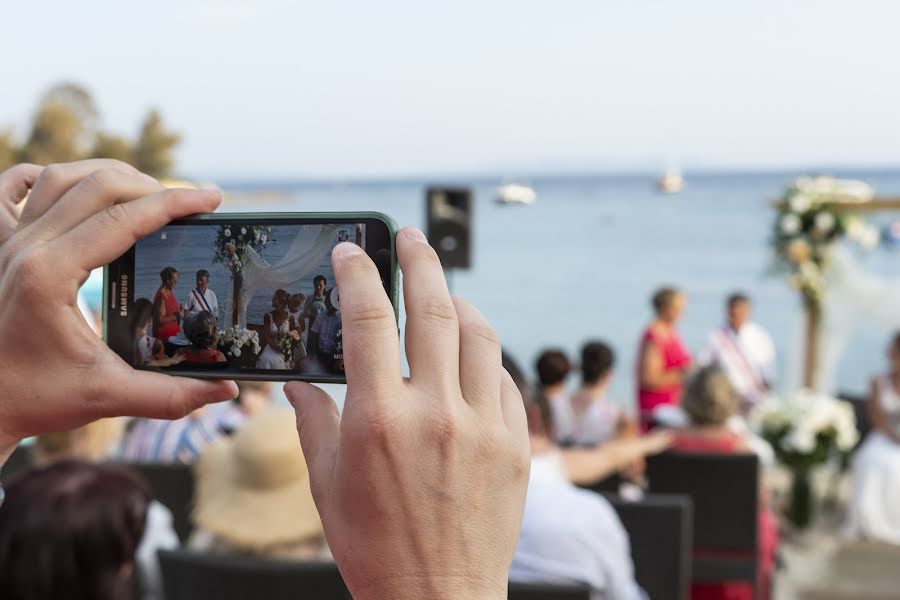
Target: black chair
[546, 591]
[659, 529]
[196, 576]
[19, 461]
[173, 486]
[724, 490]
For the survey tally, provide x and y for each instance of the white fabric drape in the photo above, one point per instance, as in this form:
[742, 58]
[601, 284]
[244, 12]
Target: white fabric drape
[307, 251]
[851, 295]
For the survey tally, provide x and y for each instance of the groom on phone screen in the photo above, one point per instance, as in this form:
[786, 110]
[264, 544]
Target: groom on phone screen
[201, 297]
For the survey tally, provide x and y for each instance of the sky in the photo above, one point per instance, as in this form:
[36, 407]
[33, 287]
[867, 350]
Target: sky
[271, 88]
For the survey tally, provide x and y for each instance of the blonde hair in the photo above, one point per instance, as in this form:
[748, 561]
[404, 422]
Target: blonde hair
[710, 399]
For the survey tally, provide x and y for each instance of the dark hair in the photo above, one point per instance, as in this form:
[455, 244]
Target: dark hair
[141, 313]
[166, 274]
[533, 401]
[597, 359]
[737, 298]
[200, 330]
[319, 278]
[552, 367]
[896, 341]
[201, 274]
[67, 529]
[663, 297]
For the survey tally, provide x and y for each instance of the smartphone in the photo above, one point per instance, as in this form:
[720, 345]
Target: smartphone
[240, 295]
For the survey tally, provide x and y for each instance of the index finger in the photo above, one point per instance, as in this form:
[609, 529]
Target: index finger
[15, 183]
[370, 336]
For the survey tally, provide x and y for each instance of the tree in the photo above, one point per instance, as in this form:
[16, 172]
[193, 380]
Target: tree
[109, 145]
[153, 149]
[8, 150]
[54, 136]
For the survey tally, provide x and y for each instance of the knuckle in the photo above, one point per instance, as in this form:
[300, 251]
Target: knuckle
[481, 330]
[369, 314]
[116, 214]
[437, 311]
[29, 269]
[102, 179]
[53, 174]
[443, 428]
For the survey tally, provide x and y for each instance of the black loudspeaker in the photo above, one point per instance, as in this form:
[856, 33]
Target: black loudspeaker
[450, 225]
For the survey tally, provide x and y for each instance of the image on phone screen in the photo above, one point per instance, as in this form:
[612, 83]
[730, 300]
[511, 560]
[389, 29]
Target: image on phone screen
[238, 297]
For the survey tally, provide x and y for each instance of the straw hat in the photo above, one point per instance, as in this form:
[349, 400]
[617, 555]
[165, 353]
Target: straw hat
[253, 488]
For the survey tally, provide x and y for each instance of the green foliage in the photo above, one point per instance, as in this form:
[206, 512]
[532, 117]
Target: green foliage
[109, 145]
[54, 135]
[65, 127]
[153, 149]
[8, 150]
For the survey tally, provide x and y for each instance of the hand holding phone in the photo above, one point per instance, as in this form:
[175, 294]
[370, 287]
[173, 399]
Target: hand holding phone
[270, 273]
[426, 475]
[57, 374]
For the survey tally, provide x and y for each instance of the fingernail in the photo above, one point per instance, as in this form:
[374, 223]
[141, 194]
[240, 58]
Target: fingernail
[347, 249]
[411, 233]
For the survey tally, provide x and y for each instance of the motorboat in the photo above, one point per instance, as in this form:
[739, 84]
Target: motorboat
[515, 193]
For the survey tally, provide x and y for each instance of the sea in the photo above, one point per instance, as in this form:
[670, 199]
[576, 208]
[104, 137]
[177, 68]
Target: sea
[581, 263]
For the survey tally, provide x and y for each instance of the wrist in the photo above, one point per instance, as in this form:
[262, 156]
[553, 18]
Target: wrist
[432, 588]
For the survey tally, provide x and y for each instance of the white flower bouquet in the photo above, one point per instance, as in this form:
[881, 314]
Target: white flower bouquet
[287, 345]
[806, 429]
[240, 345]
[232, 241]
[807, 224]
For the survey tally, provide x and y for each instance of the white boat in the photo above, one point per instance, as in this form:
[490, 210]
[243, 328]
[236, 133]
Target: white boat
[670, 182]
[515, 193]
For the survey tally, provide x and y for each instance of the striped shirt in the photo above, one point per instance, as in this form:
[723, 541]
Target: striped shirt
[162, 441]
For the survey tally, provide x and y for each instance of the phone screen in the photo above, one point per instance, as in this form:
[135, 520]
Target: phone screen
[239, 296]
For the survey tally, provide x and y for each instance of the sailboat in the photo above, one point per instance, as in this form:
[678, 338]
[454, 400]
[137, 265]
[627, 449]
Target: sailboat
[670, 182]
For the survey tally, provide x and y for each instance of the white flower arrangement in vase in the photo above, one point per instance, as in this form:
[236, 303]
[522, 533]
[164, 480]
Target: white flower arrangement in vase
[240, 345]
[805, 430]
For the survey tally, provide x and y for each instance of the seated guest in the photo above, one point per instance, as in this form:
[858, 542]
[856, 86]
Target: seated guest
[875, 506]
[553, 368]
[200, 330]
[92, 443]
[710, 401]
[325, 336]
[743, 350]
[163, 441]
[587, 418]
[570, 535]
[253, 397]
[87, 551]
[253, 495]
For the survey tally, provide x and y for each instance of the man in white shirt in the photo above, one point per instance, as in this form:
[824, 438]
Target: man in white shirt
[569, 535]
[744, 350]
[201, 297]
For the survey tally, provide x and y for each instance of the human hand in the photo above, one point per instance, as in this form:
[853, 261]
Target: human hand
[57, 374]
[420, 483]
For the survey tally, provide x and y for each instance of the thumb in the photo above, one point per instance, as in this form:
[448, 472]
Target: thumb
[318, 425]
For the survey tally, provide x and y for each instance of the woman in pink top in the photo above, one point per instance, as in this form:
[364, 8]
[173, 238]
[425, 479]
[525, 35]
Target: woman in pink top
[663, 359]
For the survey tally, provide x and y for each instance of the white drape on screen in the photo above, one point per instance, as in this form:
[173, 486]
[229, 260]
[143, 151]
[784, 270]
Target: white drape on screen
[307, 251]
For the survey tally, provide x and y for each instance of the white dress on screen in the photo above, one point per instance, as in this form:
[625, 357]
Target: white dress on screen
[273, 358]
[875, 504]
